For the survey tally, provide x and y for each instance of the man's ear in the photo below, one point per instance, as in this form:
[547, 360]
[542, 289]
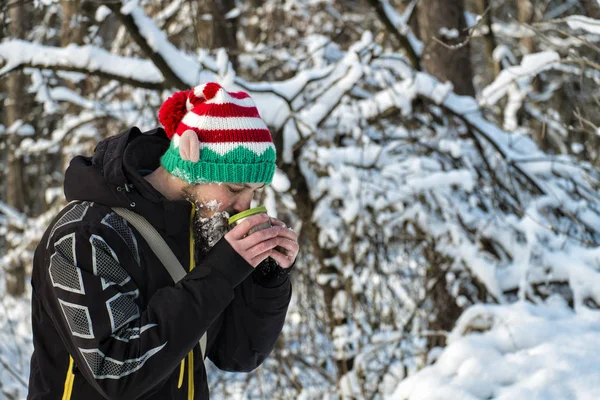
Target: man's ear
[189, 146]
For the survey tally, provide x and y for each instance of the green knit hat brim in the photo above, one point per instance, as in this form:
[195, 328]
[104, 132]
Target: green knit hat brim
[213, 167]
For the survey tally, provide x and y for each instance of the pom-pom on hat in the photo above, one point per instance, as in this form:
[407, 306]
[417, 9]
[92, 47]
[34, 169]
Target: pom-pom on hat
[216, 136]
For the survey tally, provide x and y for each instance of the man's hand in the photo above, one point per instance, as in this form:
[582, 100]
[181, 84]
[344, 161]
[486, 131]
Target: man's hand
[290, 246]
[256, 247]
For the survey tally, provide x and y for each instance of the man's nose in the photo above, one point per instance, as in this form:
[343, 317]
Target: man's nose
[243, 202]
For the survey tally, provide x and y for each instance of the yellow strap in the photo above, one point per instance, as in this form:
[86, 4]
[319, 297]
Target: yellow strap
[69, 381]
[192, 266]
[191, 375]
[192, 259]
[181, 374]
[191, 353]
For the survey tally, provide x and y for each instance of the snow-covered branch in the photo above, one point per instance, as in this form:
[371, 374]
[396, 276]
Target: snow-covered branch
[399, 28]
[179, 69]
[531, 65]
[91, 60]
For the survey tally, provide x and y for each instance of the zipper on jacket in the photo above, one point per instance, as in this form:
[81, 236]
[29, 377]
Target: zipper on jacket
[190, 356]
[69, 381]
[126, 189]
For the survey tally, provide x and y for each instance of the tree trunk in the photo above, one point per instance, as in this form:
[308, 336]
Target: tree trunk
[13, 108]
[68, 28]
[225, 29]
[591, 7]
[253, 28]
[484, 9]
[400, 37]
[446, 64]
[413, 20]
[204, 24]
[77, 17]
[526, 16]
[214, 31]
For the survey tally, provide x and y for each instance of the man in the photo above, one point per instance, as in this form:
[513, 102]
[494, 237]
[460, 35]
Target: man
[108, 320]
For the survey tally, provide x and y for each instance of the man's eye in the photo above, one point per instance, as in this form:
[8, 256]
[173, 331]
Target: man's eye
[234, 190]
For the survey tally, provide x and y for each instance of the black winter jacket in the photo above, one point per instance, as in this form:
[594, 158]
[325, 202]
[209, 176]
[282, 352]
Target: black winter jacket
[108, 321]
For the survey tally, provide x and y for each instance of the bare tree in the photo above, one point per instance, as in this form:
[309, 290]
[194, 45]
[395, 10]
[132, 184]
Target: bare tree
[68, 31]
[591, 7]
[76, 20]
[484, 9]
[526, 14]
[225, 27]
[216, 28]
[13, 109]
[445, 62]
[400, 37]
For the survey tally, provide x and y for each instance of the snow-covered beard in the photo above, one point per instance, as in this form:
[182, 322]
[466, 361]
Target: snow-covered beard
[208, 229]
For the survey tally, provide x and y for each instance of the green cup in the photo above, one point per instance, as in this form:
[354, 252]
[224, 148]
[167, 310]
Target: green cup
[239, 217]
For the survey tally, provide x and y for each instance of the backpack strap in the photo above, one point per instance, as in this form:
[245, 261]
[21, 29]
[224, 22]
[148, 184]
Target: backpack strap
[161, 249]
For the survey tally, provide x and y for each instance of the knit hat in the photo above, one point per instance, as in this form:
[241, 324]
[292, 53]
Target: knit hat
[216, 136]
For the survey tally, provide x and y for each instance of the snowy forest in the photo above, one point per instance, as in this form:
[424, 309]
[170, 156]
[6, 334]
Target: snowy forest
[440, 161]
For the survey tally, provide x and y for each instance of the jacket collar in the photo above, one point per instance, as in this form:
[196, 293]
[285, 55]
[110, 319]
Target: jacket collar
[113, 177]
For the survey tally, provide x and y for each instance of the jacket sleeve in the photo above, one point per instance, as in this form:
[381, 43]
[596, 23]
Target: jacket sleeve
[125, 346]
[251, 323]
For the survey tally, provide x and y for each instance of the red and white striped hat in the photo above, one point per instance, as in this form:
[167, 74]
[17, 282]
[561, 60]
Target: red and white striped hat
[216, 136]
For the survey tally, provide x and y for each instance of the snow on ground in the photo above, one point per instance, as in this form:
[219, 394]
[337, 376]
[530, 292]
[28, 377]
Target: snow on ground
[16, 344]
[518, 351]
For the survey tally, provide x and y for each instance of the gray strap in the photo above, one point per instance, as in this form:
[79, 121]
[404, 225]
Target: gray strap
[161, 249]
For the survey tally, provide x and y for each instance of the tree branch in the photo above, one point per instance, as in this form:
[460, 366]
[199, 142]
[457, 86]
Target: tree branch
[171, 77]
[473, 125]
[384, 17]
[89, 60]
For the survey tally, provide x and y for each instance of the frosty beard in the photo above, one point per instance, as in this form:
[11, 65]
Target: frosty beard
[208, 229]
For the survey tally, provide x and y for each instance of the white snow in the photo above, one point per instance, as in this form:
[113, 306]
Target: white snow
[16, 344]
[577, 148]
[471, 19]
[13, 216]
[400, 21]
[185, 66]
[531, 64]
[281, 183]
[513, 105]
[21, 129]
[449, 33]
[438, 179]
[233, 13]
[129, 5]
[93, 59]
[169, 10]
[590, 25]
[52, 194]
[502, 52]
[518, 351]
[101, 13]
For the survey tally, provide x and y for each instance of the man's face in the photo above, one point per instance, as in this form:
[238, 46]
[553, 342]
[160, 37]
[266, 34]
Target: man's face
[215, 203]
